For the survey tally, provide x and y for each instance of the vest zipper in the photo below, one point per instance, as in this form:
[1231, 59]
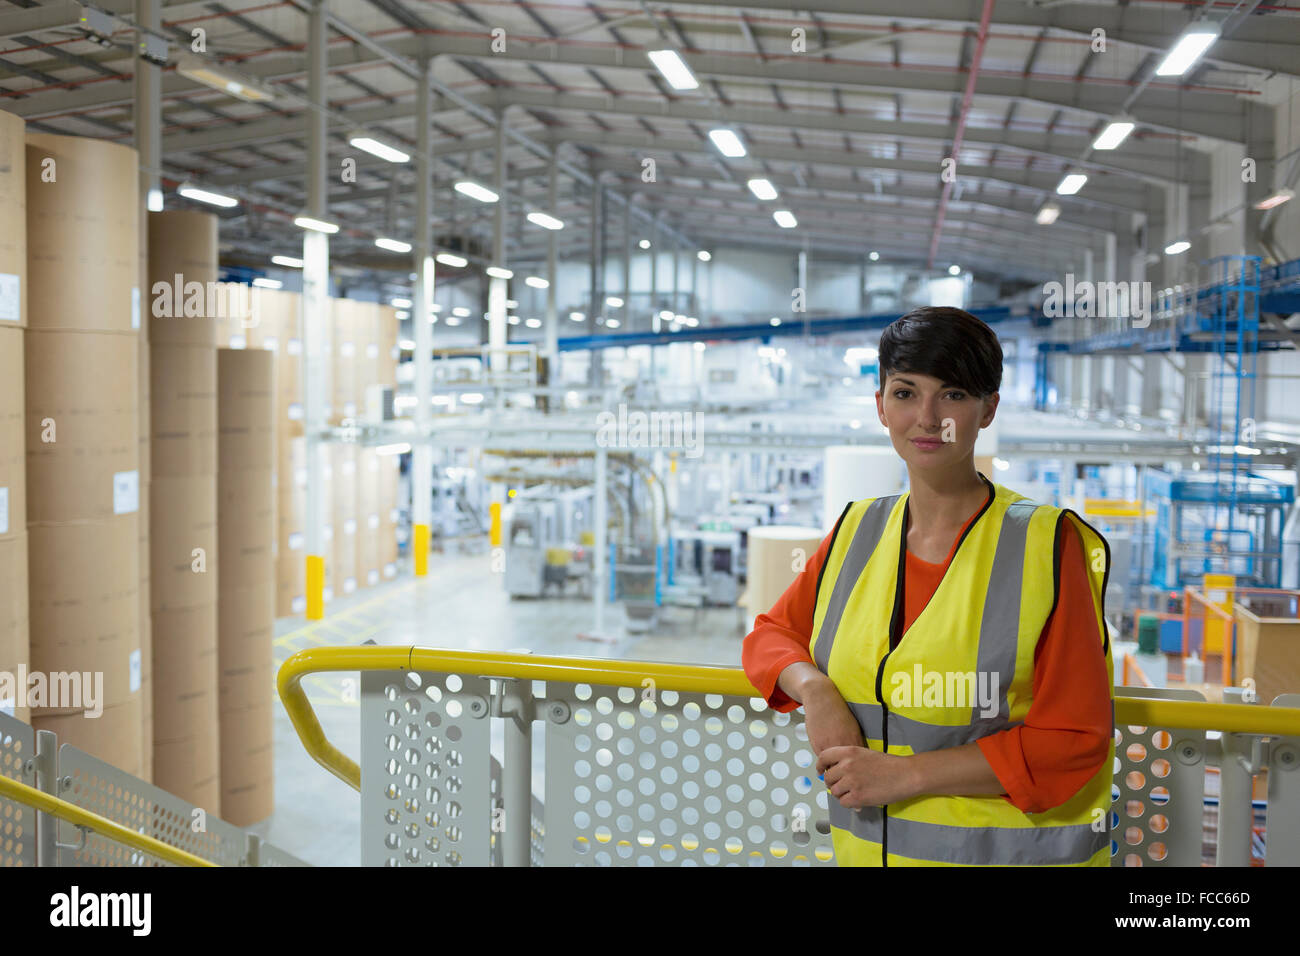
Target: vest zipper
[895, 623]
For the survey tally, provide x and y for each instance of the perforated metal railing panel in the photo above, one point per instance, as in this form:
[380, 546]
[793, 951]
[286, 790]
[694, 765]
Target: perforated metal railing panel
[681, 779]
[17, 821]
[425, 781]
[1158, 807]
[125, 799]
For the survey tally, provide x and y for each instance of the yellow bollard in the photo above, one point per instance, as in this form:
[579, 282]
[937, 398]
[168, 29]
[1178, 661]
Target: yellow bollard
[494, 531]
[315, 587]
[420, 549]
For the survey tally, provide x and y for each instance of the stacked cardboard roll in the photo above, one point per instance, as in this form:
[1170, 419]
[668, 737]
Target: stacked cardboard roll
[82, 437]
[370, 563]
[246, 608]
[341, 563]
[13, 455]
[348, 317]
[389, 474]
[281, 312]
[183, 503]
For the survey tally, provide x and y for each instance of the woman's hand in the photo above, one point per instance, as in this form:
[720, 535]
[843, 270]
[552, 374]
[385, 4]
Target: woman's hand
[828, 719]
[860, 777]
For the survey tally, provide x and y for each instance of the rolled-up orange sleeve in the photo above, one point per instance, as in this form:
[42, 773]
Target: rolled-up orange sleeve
[781, 636]
[1065, 736]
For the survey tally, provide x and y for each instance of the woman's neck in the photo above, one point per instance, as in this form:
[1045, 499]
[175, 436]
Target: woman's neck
[942, 501]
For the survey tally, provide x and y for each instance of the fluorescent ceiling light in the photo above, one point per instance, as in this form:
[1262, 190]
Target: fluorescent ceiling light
[537, 282]
[398, 448]
[511, 304]
[544, 220]
[1175, 248]
[402, 315]
[497, 272]
[674, 69]
[1116, 132]
[461, 311]
[435, 307]
[762, 188]
[614, 302]
[392, 245]
[1071, 184]
[577, 317]
[533, 323]
[612, 323]
[1047, 215]
[453, 321]
[316, 225]
[264, 283]
[774, 321]
[1279, 197]
[954, 270]
[154, 202]
[785, 219]
[223, 78]
[874, 256]
[400, 303]
[475, 191]
[704, 255]
[728, 142]
[289, 262]
[449, 259]
[406, 344]
[666, 315]
[513, 320]
[366, 142]
[644, 243]
[190, 191]
[1195, 40]
[471, 398]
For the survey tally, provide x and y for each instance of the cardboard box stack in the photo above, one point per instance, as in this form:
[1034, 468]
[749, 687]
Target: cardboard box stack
[183, 498]
[13, 455]
[82, 438]
[246, 608]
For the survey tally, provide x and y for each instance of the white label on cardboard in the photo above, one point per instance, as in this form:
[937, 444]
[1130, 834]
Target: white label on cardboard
[126, 492]
[393, 516]
[347, 349]
[298, 604]
[238, 342]
[327, 594]
[135, 306]
[372, 578]
[350, 526]
[295, 346]
[327, 533]
[271, 343]
[295, 411]
[390, 570]
[4, 510]
[372, 350]
[372, 522]
[295, 541]
[395, 352]
[135, 670]
[7, 706]
[349, 585]
[11, 299]
[300, 477]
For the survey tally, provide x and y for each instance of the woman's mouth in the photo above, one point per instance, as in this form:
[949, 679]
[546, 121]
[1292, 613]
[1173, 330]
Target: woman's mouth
[928, 444]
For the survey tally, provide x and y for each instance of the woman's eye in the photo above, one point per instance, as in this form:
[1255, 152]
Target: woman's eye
[901, 393]
[957, 395]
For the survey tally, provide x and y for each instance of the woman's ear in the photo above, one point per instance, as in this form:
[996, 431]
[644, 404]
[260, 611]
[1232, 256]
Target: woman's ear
[990, 409]
[880, 408]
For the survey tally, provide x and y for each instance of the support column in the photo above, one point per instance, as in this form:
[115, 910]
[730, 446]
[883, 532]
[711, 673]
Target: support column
[594, 366]
[627, 263]
[316, 317]
[552, 276]
[600, 559]
[148, 112]
[654, 296]
[695, 283]
[421, 313]
[497, 288]
[677, 288]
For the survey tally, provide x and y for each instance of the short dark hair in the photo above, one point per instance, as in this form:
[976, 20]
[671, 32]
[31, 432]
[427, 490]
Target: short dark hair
[946, 343]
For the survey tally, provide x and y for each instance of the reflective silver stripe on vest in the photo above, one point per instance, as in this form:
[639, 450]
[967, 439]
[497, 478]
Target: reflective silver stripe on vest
[993, 846]
[864, 542]
[1000, 628]
[864, 823]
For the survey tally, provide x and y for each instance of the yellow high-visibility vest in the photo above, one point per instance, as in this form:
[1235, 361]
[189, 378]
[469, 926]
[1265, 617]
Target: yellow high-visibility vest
[971, 651]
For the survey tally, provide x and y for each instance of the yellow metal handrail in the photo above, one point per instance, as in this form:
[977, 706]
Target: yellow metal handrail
[56, 807]
[1133, 711]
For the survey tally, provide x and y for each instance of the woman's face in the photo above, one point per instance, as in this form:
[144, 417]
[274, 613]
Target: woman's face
[932, 424]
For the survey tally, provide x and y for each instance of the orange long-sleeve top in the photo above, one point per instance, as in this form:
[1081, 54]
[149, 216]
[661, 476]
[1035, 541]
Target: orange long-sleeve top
[1065, 735]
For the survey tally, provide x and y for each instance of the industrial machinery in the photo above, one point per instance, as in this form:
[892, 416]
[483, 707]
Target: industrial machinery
[545, 540]
[704, 567]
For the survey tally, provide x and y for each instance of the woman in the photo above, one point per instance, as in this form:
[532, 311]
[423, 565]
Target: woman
[947, 644]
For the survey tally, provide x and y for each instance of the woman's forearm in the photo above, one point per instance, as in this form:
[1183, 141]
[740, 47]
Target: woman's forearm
[957, 771]
[799, 678]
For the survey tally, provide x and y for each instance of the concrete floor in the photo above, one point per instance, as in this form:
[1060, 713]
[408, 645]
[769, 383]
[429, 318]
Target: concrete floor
[462, 604]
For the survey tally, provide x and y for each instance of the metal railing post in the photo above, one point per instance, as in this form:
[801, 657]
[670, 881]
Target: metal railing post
[516, 706]
[47, 780]
[1242, 757]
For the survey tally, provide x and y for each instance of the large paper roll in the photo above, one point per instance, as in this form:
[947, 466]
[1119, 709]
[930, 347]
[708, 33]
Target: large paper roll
[777, 555]
[854, 472]
[184, 295]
